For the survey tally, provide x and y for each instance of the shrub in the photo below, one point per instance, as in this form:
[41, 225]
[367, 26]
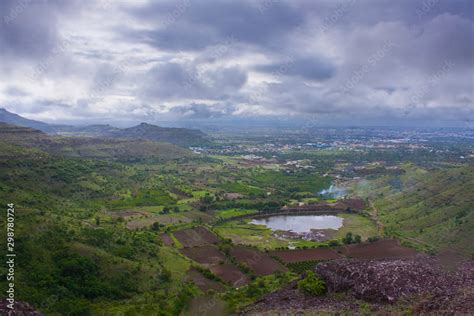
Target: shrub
[373, 239]
[302, 266]
[312, 285]
[165, 275]
[348, 239]
[156, 226]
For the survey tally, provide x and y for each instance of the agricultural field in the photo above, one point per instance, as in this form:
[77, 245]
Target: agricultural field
[259, 262]
[380, 249]
[205, 255]
[316, 254]
[194, 237]
[203, 283]
[162, 234]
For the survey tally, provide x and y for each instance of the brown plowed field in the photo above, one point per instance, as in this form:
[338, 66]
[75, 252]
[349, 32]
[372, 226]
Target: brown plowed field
[198, 236]
[290, 256]
[167, 240]
[208, 254]
[258, 262]
[387, 248]
[355, 204]
[202, 282]
[230, 273]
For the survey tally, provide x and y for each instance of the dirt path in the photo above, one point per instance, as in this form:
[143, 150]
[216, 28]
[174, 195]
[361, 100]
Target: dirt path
[375, 218]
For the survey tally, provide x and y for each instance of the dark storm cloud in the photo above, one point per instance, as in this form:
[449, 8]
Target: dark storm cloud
[445, 37]
[196, 25]
[349, 13]
[29, 29]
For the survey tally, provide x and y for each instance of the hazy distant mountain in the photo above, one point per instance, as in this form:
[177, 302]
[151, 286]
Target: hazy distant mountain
[93, 130]
[15, 119]
[178, 136]
[27, 141]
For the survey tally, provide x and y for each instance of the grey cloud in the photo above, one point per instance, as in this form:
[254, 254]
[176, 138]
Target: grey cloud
[308, 68]
[200, 25]
[183, 36]
[29, 29]
[202, 111]
[350, 13]
[445, 38]
[169, 80]
[230, 78]
[196, 53]
[15, 92]
[174, 81]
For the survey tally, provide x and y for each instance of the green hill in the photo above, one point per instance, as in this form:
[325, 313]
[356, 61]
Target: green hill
[433, 208]
[33, 142]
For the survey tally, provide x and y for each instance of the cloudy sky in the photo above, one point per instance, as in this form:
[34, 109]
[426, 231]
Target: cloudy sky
[333, 61]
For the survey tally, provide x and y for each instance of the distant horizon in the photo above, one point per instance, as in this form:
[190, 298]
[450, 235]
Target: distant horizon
[256, 122]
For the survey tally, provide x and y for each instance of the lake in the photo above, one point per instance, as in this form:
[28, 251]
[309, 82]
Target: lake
[300, 223]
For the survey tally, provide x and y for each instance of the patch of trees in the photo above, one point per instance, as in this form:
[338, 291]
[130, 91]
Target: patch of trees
[312, 285]
[352, 239]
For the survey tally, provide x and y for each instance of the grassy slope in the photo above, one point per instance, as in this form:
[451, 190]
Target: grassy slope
[433, 208]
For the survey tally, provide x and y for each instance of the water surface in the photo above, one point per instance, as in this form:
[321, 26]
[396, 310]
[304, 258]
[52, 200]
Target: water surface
[300, 223]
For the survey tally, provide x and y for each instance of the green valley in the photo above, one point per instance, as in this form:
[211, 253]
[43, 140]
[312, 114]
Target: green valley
[119, 227]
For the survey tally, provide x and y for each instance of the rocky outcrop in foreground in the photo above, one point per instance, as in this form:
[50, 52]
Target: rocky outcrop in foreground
[393, 280]
[421, 285]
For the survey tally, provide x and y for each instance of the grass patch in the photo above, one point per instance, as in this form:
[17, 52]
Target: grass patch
[242, 232]
[174, 262]
[233, 212]
[357, 225]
